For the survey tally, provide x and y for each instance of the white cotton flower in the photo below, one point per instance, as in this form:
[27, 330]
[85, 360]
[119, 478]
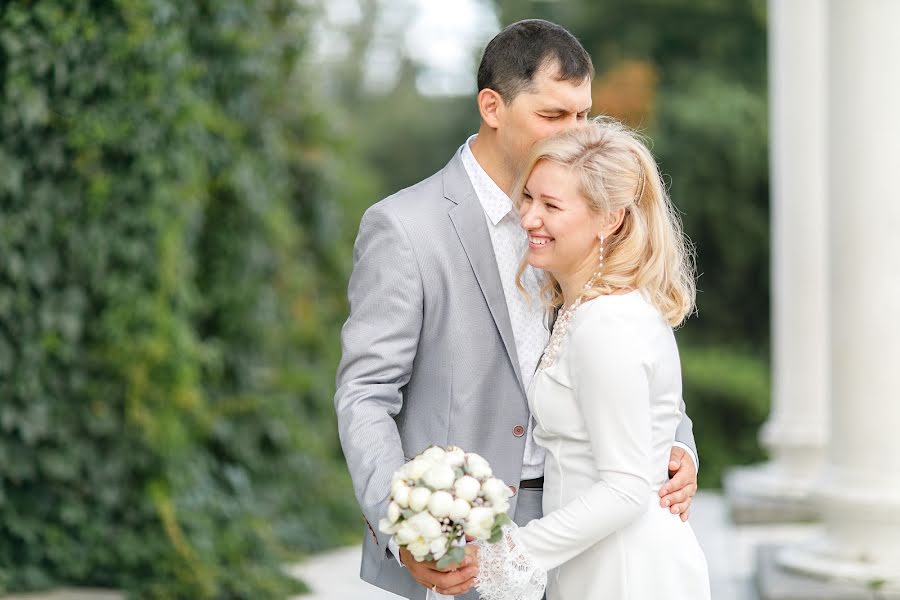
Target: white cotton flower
[387, 526]
[426, 526]
[467, 488]
[439, 477]
[434, 454]
[479, 523]
[405, 533]
[418, 548]
[393, 512]
[418, 498]
[399, 475]
[418, 533]
[454, 457]
[477, 467]
[400, 494]
[440, 504]
[438, 547]
[459, 510]
[495, 491]
[417, 467]
[396, 486]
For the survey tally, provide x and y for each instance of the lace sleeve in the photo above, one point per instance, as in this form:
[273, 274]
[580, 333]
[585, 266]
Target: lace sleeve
[507, 572]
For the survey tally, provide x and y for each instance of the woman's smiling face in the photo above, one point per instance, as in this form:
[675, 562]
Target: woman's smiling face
[563, 232]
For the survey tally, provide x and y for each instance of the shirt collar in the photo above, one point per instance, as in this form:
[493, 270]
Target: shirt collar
[494, 201]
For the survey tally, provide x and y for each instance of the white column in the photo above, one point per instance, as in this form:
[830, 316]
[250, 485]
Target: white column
[860, 490]
[796, 431]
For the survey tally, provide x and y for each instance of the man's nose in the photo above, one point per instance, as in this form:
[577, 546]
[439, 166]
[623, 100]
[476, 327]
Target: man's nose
[569, 120]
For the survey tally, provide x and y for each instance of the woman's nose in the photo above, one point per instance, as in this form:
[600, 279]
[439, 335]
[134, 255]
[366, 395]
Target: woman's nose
[530, 218]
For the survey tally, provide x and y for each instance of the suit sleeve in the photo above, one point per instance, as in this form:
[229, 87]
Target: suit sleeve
[378, 342]
[610, 377]
[684, 436]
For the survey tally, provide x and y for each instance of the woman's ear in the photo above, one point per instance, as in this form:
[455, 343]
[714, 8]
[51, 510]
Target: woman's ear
[490, 104]
[611, 223]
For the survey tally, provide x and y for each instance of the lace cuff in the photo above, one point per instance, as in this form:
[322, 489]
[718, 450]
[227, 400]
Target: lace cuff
[506, 570]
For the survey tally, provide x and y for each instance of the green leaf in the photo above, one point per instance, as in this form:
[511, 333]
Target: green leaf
[496, 534]
[497, 529]
[454, 555]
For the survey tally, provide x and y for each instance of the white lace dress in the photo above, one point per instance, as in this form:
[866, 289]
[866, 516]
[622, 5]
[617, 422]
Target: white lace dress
[606, 412]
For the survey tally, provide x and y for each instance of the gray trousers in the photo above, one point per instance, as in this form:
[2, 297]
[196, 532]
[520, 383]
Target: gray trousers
[528, 508]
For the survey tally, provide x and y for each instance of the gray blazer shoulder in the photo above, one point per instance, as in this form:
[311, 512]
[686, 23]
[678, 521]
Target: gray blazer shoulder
[426, 203]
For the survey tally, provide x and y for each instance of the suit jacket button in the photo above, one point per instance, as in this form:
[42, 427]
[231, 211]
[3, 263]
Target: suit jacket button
[518, 431]
[512, 488]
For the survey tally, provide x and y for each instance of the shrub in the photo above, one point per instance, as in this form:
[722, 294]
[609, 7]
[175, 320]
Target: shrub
[727, 396]
[169, 297]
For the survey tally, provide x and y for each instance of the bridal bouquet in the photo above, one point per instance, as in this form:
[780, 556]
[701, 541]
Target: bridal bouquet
[440, 497]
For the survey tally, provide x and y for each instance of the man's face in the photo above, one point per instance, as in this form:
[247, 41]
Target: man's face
[548, 108]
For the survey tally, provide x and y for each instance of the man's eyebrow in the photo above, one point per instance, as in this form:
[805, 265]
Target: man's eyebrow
[560, 111]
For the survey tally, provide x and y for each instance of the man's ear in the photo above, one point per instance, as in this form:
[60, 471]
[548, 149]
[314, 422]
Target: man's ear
[490, 105]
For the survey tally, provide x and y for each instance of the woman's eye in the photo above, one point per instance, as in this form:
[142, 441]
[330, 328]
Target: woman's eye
[552, 207]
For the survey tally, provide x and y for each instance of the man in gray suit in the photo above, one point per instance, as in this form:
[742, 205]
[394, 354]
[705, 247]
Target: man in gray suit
[439, 346]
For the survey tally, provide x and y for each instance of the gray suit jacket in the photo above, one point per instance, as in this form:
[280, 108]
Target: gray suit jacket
[428, 351]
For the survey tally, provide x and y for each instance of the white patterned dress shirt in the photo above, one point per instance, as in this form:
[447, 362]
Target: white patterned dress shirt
[510, 243]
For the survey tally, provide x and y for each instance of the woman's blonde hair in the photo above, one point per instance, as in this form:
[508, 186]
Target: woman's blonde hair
[648, 251]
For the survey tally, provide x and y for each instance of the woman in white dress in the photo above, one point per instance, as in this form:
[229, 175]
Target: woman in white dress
[607, 394]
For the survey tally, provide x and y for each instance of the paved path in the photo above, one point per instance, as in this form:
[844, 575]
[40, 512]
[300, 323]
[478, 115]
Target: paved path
[729, 550]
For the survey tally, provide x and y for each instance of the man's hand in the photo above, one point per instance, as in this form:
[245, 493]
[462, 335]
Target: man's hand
[457, 578]
[678, 493]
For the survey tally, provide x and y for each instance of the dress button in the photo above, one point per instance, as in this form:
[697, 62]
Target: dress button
[518, 431]
[512, 488]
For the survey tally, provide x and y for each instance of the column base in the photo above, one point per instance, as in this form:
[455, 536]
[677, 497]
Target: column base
[776, 581]
[766, 493]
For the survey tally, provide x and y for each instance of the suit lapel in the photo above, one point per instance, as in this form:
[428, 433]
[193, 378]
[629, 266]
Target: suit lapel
[471, 226]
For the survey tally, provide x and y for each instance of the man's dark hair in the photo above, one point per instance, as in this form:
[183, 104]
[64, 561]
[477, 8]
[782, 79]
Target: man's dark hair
[515, 55]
